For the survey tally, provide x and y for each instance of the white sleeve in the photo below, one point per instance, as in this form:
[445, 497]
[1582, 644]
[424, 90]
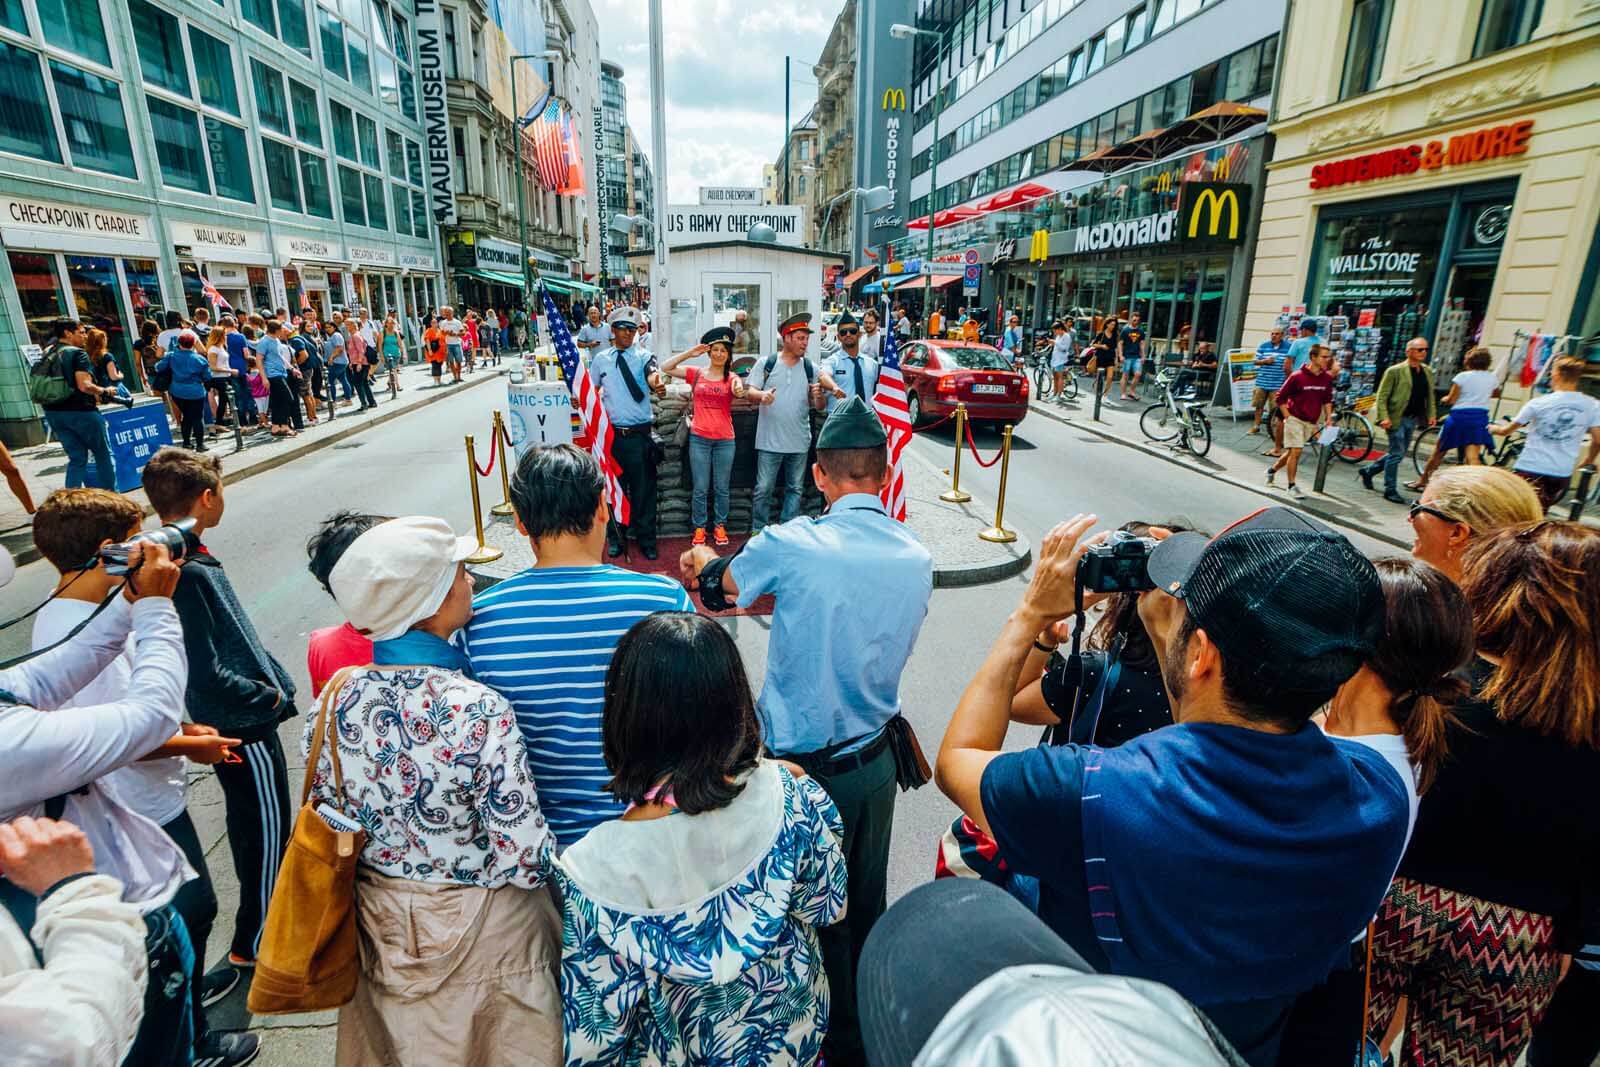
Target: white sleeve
[47, 754]
[50, 680]
[83, 1008]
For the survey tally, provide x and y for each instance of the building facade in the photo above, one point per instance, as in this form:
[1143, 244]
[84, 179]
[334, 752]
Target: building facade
[835, 115]
[1435, 175]
[1169, 97]
[494, 212]
[613, 175]
[769, 183]
[796, 168]
[641, 203]
[272, 151]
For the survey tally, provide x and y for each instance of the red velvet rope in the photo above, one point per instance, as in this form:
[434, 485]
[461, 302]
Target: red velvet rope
[484, 472]
[973, 447]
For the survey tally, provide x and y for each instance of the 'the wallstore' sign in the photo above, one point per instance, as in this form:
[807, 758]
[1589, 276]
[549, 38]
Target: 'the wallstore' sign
[1491, 142]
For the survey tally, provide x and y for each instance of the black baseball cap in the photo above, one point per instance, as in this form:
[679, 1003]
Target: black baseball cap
[1287, 594]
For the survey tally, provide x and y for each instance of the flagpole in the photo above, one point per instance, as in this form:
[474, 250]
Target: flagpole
[660, 292]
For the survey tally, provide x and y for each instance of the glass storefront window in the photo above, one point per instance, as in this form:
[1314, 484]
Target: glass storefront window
[1183, 326]
[1212, 296]
[94, 295]
[144, 289]
[177, 136]
[230, 160]
[27, 130]
[292, 287]
[194, 291]
[74, 25]
[1164, 280]
[260, 288]
[91, 114]
[1385, 260]
[39, 292]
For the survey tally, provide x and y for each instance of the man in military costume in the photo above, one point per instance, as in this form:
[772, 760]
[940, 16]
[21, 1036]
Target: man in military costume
[626, 374]
[854, 371]
[852, 590]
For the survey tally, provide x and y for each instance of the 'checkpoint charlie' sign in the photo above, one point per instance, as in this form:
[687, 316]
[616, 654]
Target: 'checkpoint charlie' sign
[695, 224]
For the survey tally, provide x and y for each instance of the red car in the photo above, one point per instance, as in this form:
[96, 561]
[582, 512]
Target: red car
[939, 374]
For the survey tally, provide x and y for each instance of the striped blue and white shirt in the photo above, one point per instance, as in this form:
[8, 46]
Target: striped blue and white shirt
[544, 639]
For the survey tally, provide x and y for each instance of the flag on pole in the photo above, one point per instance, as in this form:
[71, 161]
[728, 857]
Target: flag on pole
[549, 150]
[586, 399]
[890, 403]
[213, 295]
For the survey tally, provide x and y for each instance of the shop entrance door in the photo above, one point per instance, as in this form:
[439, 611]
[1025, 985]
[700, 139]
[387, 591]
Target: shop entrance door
[39, 291]
[94, 286]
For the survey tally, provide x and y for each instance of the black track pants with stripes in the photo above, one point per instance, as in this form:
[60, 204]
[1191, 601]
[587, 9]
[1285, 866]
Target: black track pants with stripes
[256, 791]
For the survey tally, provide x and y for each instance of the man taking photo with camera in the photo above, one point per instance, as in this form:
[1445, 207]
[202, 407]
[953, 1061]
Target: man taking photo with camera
[1235, 854]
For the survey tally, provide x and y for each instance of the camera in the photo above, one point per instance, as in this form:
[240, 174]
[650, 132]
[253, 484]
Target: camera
[120, 398]
[172, 535]
[1120, 564]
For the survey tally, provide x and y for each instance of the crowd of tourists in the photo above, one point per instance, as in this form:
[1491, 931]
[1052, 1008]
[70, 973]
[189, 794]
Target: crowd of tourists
[1290, 804]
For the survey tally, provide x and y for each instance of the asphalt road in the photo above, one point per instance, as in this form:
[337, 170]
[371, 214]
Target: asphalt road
[415, 464]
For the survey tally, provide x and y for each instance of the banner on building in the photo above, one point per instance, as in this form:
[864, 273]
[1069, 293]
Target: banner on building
[722, 194]
[435, 112]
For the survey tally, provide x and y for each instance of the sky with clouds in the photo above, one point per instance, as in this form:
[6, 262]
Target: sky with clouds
[724, 73]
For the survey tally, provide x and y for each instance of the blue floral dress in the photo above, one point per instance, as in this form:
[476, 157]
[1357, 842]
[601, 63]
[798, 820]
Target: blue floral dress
[734, 976]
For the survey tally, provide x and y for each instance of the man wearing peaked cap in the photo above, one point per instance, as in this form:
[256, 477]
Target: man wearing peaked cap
[787, 385]
[863, 579]
[802, 321]
[626, 374]
[855, 371]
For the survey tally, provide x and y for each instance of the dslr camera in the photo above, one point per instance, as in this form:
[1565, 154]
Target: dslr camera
[171, 534]
[119, 398]
[1119, 564]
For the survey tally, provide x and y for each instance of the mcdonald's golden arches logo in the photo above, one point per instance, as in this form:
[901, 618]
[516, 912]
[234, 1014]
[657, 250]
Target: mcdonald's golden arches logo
[1214, 211]
[1039, 246]
[1220, 169]
[1164, 182]
[894, 100]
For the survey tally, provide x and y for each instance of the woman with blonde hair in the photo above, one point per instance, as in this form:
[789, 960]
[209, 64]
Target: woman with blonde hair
[1465, 503]
[1499, 880]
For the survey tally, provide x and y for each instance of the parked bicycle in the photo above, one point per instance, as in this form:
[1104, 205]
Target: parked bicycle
[1179, 417]
[1044, 379]
[1499, 454]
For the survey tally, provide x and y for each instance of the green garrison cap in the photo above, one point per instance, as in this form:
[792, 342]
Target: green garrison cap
[852, 425]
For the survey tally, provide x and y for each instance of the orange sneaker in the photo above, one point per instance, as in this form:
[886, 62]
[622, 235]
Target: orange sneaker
[720, 535]
[699, 535]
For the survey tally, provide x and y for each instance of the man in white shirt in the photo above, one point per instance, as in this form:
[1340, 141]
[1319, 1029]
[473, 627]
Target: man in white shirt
[454, 330]
[871, 336]
[1557, 425]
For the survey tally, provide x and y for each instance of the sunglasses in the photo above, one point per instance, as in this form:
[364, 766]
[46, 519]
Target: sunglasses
[1423, 509]
[848, 332]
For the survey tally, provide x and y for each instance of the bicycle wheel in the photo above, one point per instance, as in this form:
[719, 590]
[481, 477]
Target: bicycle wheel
[1423, 448]
[1355, 437]
[1159, 423]
[1069, 385]
[1199, 436]
[1041, 382]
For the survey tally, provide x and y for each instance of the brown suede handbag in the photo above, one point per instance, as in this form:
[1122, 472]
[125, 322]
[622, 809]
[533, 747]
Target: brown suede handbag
[308, 960]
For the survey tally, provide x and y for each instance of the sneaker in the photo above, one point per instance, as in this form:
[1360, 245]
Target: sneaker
[699, 536]
[1366, 478]
[720, 536]
[1395, 498]
[226, 1048]
[1272, 472]
[218, 982]
[1296, 492]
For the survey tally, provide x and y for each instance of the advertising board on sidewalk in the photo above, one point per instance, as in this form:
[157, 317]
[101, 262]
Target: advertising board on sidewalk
[1242, 379]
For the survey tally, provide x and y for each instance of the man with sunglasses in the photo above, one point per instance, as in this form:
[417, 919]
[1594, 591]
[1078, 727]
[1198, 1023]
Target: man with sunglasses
[855, 372]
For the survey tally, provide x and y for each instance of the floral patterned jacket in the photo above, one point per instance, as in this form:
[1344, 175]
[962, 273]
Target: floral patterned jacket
[436, 773]
[735, 976]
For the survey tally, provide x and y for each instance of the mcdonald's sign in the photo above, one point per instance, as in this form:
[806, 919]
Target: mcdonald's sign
[1164, 182]
[1220, 169]
[1039, 246]
[1214, 212]
[894, 100]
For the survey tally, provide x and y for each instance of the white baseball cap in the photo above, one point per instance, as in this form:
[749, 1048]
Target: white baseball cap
[397, 574]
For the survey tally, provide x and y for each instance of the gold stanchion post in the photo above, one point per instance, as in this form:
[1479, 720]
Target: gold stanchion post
[505, 506]
[485, 553]
[998, 532]
[955, 494]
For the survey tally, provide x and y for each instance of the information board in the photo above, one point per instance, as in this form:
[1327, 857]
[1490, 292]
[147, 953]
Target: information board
[538, 414]
[1242, 379]
[136, 433]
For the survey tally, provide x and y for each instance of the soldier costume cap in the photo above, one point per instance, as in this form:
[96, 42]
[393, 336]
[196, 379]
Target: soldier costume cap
[625, 317]
[801, 321]
[852, 425]
[846, 319]
[718, 335]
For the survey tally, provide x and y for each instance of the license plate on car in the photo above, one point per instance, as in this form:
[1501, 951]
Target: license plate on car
[998, 390]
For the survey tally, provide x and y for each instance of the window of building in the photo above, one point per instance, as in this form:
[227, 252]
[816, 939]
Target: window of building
[293, 29]
[331, 31]
[800, 185]
[1506, 24]
[1097, 53]
[1363, 51]
[1116, 37]
[272, 106]
[451, 65]
[93, 119]
[458, 138]
[314, 177]
[160, 46]
[283, 188]
[307, 120]
[351, 198]
[28, 130]
[213, 72]
[1138, 28]
[75, 26]
[344, 130]
[367, 141]
[376, 211]
[177, 137]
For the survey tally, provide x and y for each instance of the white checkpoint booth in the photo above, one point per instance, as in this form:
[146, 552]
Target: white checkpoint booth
[711, 282]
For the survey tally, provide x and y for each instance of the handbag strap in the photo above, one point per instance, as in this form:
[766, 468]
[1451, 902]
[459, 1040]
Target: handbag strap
[1366, 990]
[327, 716]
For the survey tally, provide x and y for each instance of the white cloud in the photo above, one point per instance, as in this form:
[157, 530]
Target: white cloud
[724, 74]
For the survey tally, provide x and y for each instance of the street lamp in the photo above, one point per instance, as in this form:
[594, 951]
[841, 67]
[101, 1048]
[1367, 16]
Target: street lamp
[901, 31]
[522, 200]
[873, 199]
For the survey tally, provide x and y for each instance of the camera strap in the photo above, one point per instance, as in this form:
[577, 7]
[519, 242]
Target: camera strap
[68, 636]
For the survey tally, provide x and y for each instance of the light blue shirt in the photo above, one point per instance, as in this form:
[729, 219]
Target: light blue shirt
[841, 366]
[852, 590]
[601, 333]
[620, 405]
[1300, 351]
[274, 363]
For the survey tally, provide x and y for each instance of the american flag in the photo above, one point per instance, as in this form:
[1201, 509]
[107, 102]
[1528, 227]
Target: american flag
[549, 148]
[586, 399]
[890, 403]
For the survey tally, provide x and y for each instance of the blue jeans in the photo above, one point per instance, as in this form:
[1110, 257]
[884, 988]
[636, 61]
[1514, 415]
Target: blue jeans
[1399, 438]
[248, 412]
[339, 374]
[166, 1034]
[768, 465]
[711, 464]
[82, 432]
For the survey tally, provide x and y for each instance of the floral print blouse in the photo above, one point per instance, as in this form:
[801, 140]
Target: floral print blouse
[436, 773]
[733, 976]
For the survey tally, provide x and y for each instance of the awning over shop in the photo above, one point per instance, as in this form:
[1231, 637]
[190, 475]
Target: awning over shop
[569, 285]
[849, 281]
[872, 288]
[499, 277]
[914, 281]
[1003, 201]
